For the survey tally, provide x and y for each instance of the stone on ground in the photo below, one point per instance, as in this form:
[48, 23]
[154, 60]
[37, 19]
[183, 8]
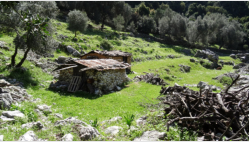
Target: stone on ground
[12, 114]
[141, 120]
[151, 136]
[67, 137]
[202, 85]
[113, 130]
[28, 136]
[38, 125]
[87, 133]
[69, 121]
[44, 108]
[1, 137]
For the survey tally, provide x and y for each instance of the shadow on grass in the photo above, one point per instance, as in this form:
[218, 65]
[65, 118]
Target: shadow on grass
[23, 75]
[81, 94]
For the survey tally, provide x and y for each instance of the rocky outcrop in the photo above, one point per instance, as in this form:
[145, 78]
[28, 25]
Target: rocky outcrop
[151, 136]
[150, 78]
[70, 120]
[208, 54]
[86, 132]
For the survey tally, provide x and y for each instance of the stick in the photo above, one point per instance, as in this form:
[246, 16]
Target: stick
[238, 131]
[218, 96]
[184, 104]
[232, 83]
[226, 129]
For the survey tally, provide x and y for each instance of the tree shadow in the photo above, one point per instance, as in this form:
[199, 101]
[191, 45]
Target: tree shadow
[24, 75]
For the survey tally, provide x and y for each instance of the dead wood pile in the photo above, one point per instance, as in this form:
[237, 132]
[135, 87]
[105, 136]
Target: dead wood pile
[150, 78]
[209, 113]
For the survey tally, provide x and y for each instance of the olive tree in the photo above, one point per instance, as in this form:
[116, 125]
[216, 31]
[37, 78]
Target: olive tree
[119, 22]
[77, 21]
[146, 25]
[31, 22]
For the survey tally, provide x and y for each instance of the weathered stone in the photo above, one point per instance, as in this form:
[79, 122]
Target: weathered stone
[70, 49]
[69, 121]
[113, 130]
[58, 115]
[210, 55]
[4, 103]
[233, 56]
[141, 120]
[185, 68]
[4, 118]
[76, 53]
[192, 60]
[62, 59]
[12, 114]
[200, 138]
[87, 133]
[38, 125]
[67, 137]
[151, 136]
[28, 136]
[202, 85]
[44, 108]
[240, 65]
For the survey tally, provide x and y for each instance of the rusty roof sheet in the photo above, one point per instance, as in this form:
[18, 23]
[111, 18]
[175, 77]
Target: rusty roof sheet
[102, 64]
[110, 53]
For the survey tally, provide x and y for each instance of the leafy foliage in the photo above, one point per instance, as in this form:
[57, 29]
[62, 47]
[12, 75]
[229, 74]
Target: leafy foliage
[146, 25]
[128, 119]
[106, 45]
[119, 22]
[77, 21]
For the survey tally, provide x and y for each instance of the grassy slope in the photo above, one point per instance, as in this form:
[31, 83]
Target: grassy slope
[128, 100]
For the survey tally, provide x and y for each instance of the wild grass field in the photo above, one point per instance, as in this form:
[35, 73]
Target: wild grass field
[130, 100]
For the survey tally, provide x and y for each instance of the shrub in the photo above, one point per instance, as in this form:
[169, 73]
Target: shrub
[106, 45]
[147, 25]
[226, 80]
[119, 22]
[58, 50]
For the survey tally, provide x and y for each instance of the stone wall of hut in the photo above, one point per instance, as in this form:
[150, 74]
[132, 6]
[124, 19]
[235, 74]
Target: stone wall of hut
[107, 80]
[66, 75]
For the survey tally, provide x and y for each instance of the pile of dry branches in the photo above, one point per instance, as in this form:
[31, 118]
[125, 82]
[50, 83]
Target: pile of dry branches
[209, 113]
[150, 78]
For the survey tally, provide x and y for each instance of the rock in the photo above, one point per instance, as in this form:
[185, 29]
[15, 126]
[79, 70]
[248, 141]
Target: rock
[210, 55]
[151, 136]
[202, 85]
[3, 45]
[1, 53]
[44, 108]
[28, 136]
[240, 65]
[4, 103]
[41, 65]
[62, 59]
[87, 133]
[12, 114]
[69, 121]
[1, 137]
[214, 88]
[200, 138]
[4, 118]
[113, 130]
[118, 88]
[70, 49]
[67, 137]
[141, 120]
[192, 60]
[75, 39]
[38, 125]
[58, 115]
[233, 56]
[76, 53]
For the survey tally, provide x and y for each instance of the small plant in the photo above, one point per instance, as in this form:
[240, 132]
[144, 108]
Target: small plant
[58, 50]
[106, 45]
[226, 80]
[95, 123]
[128, 119]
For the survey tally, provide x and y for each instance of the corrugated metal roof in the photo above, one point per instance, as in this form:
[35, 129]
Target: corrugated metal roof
[110, 53]
[102, 64]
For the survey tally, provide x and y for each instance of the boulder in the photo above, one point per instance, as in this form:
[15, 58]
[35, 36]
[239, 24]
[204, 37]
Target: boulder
[67, 137]
[210, 55]
[28, 136]
[12, 114]
[113, 130]
[87, 133]
[192, 60]
[233, 56]
[200, 138]
[4, 103]
[41, 65]
[69, 121]
[202, 85]
[38, 125]
[141, 120]
[240, 65]
[44, 108]
[185, 68]
[62, 59]
[3, 45]
[58, 115]
[5, 119]
[70, 49]
[151, 136]
[76, 53]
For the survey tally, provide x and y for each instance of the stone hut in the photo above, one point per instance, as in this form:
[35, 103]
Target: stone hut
[116, 55]
[96, 76]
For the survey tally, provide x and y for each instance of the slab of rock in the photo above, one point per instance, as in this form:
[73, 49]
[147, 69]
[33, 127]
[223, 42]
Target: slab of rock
[240, 65]
[200, 138]
[69, 121]
[1, 137]
[4, 103]
[151, 136]
[62, 59]
[210, 55]
[70, 49]
[12, 114]
[67, 137]
[113, 130]
[4, 119]
[38, 125]
[87, 133]
[28, 136]
[141, 120]
[58, 115]
[44, 108]
[76, 53]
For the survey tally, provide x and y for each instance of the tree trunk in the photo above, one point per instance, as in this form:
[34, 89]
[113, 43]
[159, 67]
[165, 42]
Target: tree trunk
[13, 57]
[75, 34]
[102, 26]
[23, 59]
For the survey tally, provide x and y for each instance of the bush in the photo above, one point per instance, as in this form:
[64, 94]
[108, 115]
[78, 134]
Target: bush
[106, 45]
[119, 22]
[226, 80]
[77, 21]
[58, 50]
[147, 25]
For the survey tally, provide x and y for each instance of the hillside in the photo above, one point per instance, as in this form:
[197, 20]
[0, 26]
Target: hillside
[135, 98]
